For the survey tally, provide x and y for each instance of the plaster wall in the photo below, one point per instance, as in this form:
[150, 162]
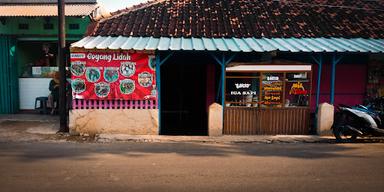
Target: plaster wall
[114, 121]
[36, 25]
[215, 121]
[350, 84]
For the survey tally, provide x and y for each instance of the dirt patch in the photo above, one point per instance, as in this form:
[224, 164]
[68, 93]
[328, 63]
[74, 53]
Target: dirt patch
[30, 131]
[25, 130]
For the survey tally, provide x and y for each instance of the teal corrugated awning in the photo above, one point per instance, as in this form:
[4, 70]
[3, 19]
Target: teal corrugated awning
[233, 44]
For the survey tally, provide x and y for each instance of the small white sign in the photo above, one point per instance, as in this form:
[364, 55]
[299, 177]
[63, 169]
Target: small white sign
[36, 71]
[272, 78]
[242, 85]
[300, 76]
[77, 55]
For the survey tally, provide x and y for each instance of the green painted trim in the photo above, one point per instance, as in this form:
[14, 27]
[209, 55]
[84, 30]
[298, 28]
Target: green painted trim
[36, 25]
[47, 38]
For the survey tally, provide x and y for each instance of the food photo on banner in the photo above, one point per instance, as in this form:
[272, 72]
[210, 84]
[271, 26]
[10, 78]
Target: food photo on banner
[113, 76]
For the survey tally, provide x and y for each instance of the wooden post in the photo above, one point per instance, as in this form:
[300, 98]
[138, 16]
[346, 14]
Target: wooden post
[61, 55]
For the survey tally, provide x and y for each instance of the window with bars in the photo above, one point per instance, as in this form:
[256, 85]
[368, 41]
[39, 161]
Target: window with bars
[74, 26]
[23, 26]
[48, 26]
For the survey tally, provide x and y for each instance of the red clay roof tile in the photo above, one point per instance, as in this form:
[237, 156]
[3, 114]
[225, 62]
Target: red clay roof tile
[248, 18]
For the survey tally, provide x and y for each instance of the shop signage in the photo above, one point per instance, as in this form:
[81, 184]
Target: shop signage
[108, 57]
[272, 92]
[112, 75]
[242, 86]
[298, 89]
[243, 93]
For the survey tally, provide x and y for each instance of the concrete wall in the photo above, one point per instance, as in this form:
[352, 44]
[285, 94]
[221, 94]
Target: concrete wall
[115, 121]
[325, 119]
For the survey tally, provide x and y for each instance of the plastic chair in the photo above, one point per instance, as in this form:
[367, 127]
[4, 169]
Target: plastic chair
[42, 107]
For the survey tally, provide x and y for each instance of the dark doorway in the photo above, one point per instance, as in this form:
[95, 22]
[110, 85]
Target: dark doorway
[183, 96]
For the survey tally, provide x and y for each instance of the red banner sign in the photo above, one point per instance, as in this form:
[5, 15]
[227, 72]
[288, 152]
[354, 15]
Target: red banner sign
[113, 75]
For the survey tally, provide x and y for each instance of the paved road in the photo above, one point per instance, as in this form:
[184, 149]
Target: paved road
[133, 166]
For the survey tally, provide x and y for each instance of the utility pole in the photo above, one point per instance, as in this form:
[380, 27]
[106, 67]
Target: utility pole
[61, 47]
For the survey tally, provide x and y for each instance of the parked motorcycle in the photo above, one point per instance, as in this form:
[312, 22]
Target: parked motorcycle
[358, 121]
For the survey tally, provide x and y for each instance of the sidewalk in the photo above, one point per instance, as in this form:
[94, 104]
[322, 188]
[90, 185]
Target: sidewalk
[36, 127]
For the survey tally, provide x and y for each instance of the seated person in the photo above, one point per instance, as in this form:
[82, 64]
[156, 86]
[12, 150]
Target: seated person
[54, 88]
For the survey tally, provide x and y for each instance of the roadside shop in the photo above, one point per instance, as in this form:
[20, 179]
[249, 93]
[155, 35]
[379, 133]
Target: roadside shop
[265, 79]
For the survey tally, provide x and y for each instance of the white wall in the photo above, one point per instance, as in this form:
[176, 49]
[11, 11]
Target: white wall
[30, 88]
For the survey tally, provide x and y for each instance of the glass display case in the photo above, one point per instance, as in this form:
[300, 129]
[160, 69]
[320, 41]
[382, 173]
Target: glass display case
[268, 89]
[267, 99]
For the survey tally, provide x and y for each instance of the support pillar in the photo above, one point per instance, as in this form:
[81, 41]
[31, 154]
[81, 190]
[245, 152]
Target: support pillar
[335, 61]
[319, 63]
[223, 61]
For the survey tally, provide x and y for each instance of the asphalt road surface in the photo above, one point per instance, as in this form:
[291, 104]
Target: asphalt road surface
[132, 166]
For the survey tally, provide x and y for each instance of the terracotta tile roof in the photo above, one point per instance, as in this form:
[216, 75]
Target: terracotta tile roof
[45, 1]
[136, 7]
[249, 18]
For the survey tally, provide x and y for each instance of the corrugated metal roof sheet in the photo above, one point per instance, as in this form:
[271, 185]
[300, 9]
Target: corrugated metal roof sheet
[234, 44]
[45, 10]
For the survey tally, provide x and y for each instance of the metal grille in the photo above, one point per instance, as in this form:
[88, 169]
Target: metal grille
[114, 104]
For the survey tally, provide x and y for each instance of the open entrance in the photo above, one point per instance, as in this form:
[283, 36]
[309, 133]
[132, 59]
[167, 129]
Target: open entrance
[183, 97]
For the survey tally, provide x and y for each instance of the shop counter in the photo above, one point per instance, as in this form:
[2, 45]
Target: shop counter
[266, 121]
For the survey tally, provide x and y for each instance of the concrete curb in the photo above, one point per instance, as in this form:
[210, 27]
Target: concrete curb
[110, 138]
